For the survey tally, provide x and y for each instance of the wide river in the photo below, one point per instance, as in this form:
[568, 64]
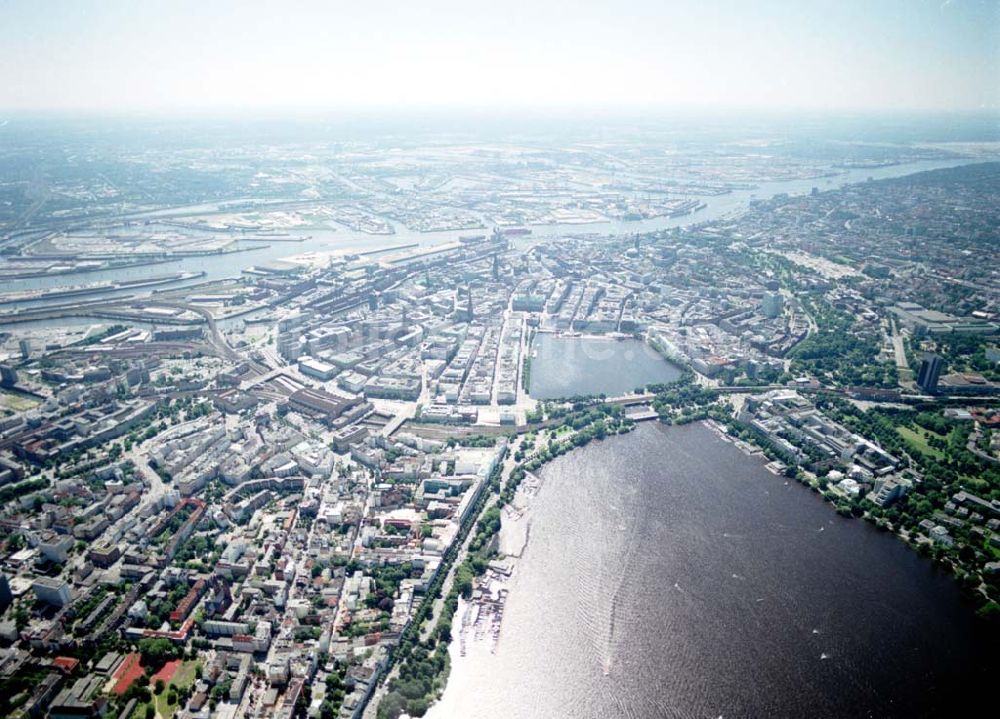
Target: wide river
[668, 574]
[218, 267]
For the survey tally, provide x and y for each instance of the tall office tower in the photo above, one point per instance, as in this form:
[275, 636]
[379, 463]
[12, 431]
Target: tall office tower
[929, 372]
[772, 305]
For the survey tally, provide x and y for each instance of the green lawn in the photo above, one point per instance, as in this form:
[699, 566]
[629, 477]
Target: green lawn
[163, 707]
[185, 676]
[918, 440]
[182, 679]
[17, 402]
[140, 709]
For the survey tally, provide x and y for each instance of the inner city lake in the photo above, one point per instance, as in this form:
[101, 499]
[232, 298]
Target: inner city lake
[574, 366]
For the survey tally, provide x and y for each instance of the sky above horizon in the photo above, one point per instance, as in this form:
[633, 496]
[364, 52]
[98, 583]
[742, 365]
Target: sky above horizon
[223, 55]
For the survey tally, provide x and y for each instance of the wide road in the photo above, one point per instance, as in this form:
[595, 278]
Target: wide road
[215, 337]
[898, 348]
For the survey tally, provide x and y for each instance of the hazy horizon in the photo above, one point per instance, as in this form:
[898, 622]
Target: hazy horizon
[849, 56]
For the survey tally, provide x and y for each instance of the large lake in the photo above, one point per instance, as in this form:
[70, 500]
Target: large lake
[669, 575]
[571, 366]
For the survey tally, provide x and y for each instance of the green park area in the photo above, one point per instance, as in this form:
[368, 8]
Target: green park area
[919, 439]
[182, 676]
[158, 677]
